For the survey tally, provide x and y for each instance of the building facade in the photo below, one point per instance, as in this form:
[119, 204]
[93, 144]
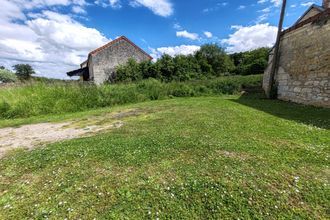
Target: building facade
[303, 71]
[100, 67]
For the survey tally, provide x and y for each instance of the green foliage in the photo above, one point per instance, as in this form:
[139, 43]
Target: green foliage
[216, 57]
[23, 71]
[47, 98]
[251, 62]
[7, 76]
[166, 67]
[208, 62]
[129, 72]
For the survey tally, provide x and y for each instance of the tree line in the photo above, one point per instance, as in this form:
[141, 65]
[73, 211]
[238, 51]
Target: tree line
[209, 62]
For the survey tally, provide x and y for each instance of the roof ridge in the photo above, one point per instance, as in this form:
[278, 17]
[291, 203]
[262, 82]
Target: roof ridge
[115, 41]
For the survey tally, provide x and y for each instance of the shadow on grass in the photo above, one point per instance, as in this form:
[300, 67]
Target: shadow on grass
[309, 115]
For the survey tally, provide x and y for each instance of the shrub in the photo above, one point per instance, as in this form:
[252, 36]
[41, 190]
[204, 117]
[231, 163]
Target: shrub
[7, 76]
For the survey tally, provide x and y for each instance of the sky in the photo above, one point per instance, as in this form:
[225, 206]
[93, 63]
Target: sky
[55, 36]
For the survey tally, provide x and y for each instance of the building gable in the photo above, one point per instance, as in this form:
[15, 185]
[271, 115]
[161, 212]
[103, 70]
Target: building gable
[311, 12]
[116, 41]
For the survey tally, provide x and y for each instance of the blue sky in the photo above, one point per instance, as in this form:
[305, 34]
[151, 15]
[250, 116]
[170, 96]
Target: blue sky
[54, 36]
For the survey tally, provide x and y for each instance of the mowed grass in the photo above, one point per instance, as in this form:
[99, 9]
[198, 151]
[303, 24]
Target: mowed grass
[185, 158]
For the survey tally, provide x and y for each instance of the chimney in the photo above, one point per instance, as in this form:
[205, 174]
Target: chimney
[326, 4]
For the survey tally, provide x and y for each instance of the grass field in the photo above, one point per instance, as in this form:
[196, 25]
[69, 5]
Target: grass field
[184, 158]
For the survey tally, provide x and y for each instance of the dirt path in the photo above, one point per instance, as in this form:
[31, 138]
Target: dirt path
[30, 136]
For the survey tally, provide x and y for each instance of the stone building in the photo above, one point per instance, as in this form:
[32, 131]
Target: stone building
[101, 64]
[303, 71]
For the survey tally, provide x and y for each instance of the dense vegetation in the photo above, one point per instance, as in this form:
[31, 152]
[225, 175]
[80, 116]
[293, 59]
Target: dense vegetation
[209, 62]
[7, 76]
[23, 72]
[185, 158]
[45, 98]
[250, 62]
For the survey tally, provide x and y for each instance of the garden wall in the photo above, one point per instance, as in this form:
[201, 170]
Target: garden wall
[304, 66]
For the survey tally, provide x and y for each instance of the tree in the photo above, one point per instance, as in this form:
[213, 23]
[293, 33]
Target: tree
[166, 67]
[251, 62]
[149, 70]
[217, 58]
[2, 68]
[23, 71]
[129, 72]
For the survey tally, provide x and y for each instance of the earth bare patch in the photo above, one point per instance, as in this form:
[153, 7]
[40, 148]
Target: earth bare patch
[30, 136]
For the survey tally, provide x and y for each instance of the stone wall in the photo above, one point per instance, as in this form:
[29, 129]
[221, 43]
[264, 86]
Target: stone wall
[303, 73]
[103, 64]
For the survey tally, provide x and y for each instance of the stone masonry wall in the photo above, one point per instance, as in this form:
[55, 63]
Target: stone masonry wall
[303, 73]
[304, 67]
[104, 63]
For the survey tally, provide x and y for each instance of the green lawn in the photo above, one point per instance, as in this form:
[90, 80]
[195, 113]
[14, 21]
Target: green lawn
[185, 158]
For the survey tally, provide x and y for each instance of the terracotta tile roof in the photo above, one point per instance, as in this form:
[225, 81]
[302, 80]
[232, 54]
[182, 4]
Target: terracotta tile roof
[115, 41]
[324, 14]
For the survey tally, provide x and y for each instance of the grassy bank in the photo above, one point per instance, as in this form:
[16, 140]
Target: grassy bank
[183, 158]
[54, 98]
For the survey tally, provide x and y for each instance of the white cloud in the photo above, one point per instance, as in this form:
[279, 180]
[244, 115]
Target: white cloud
[307, 4]
[276, 3]
[78, 10]
[174, 51]
[241, 7]
[177, 26]
[115, 3]
[216, 7]
[251, 37]
[208, 34]
[159, 7]
[53, 43]
[186, 34]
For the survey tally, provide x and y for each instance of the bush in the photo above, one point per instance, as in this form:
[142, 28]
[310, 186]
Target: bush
[44, 98]
[7, 76]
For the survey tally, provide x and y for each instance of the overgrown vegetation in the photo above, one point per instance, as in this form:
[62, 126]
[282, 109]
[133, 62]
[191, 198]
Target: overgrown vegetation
[45, 98]
[185, 158]
[209, 62]
[7, 76]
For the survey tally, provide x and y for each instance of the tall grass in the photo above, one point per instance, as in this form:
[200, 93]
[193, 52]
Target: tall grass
[51, 98]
